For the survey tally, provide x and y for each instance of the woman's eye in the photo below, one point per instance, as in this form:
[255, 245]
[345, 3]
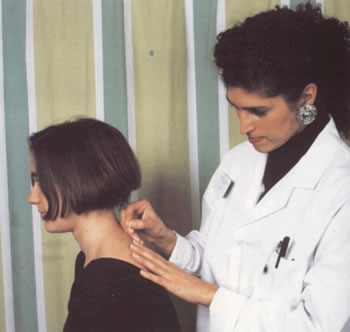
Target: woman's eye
[259, 113]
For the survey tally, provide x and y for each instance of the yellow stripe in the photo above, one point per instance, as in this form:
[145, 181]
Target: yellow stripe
[161, 107]
[64, 59]
[337, 8]
[236, 12]
[65, 87]
[2, 300]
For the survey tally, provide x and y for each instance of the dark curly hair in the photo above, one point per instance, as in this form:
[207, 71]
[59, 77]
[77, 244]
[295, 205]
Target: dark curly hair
[82, 166]
[280, 51]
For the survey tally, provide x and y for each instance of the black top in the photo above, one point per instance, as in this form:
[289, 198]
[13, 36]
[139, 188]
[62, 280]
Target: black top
[283, 159]
[109, 295]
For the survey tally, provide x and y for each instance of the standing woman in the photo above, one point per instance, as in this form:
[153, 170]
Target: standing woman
[273, 250]
[81, 171]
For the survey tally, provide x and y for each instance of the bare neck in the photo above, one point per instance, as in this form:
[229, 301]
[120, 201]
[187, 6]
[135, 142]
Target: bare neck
[99, 235]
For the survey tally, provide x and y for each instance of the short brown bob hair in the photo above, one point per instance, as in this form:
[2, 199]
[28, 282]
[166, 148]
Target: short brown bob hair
[82, 166]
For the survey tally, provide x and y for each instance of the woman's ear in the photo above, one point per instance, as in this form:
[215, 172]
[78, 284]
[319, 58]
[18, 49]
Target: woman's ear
[309, 94]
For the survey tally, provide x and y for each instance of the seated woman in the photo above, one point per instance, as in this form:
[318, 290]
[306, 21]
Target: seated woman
[81, 171]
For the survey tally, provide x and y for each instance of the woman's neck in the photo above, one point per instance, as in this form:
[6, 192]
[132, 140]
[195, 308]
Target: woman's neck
[99, 235]
[282, 160]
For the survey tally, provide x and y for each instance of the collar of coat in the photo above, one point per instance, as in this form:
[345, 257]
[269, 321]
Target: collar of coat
[306, 174]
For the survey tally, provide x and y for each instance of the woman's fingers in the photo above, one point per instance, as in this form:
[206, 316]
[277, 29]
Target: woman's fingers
[132, 228]
[155, 278]
[129, 230]
[142, 223]
[155, 267]
[132, 219]
[136, 224]
[153, 261]
[140, 215]
[134, 210]
[172, 278]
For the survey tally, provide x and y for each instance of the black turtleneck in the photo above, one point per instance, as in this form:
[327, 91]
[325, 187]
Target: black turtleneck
[281, 161]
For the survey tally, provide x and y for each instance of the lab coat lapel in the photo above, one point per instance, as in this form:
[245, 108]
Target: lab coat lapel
[275, 200]
[305, 174]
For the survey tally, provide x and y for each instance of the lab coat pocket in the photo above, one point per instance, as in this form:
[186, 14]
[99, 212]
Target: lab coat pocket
[284, 282]
[219, 187]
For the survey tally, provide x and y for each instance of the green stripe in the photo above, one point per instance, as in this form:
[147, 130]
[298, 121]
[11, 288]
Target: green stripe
[115, 101]
[295, 3]
[2, 300]
[207, 90]
[16, 119]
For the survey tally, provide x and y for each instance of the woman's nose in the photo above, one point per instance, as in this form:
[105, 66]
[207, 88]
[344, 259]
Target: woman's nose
[33, 197]
[246, 124]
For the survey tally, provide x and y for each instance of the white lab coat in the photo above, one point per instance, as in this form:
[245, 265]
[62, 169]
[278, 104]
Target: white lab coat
[310, 290]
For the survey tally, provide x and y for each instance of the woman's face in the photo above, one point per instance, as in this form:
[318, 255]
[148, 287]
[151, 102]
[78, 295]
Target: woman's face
[268, 122]
[37, 197]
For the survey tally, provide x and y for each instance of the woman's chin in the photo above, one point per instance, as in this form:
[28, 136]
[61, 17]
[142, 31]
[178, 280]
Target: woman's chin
[54, 227]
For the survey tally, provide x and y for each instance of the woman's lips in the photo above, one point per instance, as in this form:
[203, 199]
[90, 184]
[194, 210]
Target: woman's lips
[255, 140]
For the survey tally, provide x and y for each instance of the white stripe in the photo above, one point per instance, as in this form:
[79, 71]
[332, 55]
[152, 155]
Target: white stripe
[129, 63]
[4, 206]
[321, 2]
[285, 3]
[38, 256]
[223, 104]
[98, 50]
[130, 89]
[192, 113]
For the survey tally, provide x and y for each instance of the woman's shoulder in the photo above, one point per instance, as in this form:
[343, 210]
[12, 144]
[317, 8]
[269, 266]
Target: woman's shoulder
[121, 282]
[337, 174]
[338, 152]
[112, 288]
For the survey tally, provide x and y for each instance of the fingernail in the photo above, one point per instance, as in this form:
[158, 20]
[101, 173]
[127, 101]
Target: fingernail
[135, 255]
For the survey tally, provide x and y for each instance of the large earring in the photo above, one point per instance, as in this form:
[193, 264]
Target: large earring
[306, 114]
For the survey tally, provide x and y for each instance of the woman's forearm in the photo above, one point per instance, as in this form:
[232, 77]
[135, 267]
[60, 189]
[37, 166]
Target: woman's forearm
[172, 278]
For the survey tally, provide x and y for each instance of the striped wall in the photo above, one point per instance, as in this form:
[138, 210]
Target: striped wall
[6, 290]
[145, 67]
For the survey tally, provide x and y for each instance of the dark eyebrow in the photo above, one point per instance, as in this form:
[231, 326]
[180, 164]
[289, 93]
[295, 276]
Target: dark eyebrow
[249, 109]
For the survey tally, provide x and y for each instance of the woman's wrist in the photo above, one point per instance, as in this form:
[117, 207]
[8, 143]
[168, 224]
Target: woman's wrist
[207, 294]
[166, 243]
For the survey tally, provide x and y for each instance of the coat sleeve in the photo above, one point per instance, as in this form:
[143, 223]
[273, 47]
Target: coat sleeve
[323, 305]
[189, 250]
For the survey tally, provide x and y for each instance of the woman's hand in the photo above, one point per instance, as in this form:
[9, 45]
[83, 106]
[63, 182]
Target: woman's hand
[142, 223]
[172, 278]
